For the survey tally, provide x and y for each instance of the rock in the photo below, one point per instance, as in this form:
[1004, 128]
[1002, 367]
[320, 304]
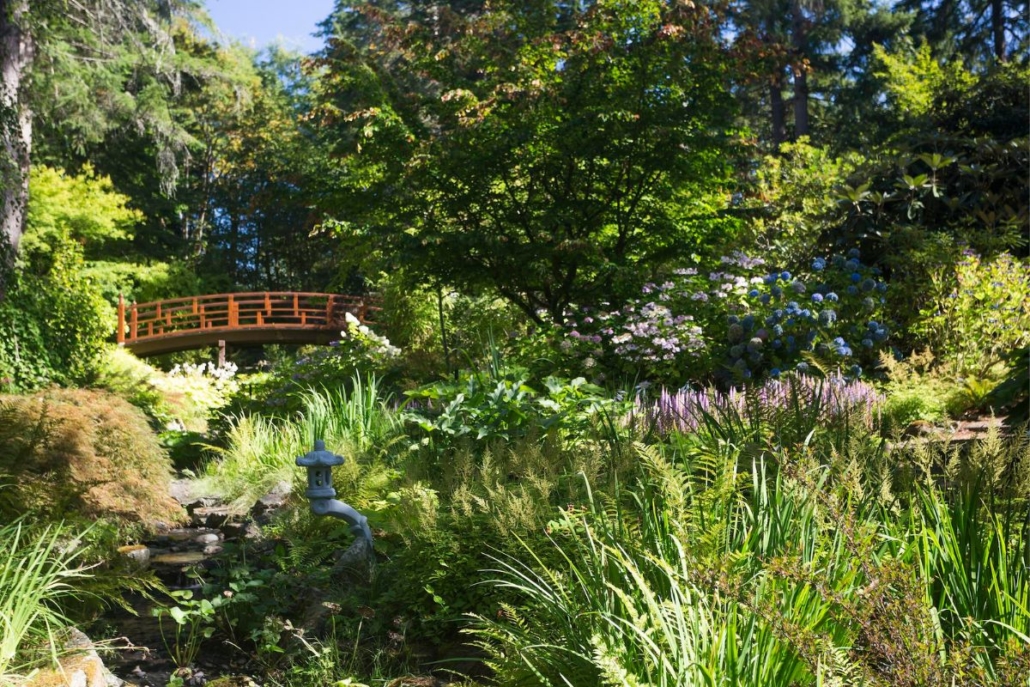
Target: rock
[232, 530]
[80, 666]
[136, 552]
[210, 516]
[413, 681]
[180, 490]
[212, 550]
[207, 539]
[356, 562]
[273, 500]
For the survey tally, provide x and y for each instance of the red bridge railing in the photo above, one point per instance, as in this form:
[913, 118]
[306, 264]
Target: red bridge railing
[269, 310]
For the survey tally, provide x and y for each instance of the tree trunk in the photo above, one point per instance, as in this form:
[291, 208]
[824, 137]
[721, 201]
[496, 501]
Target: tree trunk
[800, 71]
[779, 125]
[998, 28]
[16, 51]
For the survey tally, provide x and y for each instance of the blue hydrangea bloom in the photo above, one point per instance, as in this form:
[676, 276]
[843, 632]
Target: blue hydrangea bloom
[790, 339]
[753, 293]
[868, 285]
[880, 335]
[765, 299]
[770, 278]
[873, 324]
[777, 343]
[851, 265]
[882, 287]
[785, 276]
[832, 297]
[868, 343]
[852, 290]
[748, 322]
[818, 264]
[776, 291]
[854, 253]
[778, 330]
[798, 287]
[839, 341]
[856, 370]
[827, 317]
[802, 367]
[856, 277]
[775, 372]
[732, 319]
[817, 298]
[770, 320]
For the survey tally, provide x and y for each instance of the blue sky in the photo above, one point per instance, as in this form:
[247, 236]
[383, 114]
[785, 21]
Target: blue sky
[258, 23]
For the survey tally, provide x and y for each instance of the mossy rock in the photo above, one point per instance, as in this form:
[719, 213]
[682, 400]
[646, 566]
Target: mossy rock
[76, 452]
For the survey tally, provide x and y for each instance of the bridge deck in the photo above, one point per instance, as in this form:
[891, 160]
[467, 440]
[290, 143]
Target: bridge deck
[256, 318]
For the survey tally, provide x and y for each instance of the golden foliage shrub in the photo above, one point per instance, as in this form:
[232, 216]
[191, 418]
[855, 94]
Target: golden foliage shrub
[68, 452]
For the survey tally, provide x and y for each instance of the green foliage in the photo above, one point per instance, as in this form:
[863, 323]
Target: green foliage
[914, 392]
[359, 352]
[978, 311]
[781, 574]
[1012, 395]
[503, 405]
[40, 571]
[952, 184]
[794, 202]
[191, 618]
[914, 80]
[259, 452]
[83, 208]
[545, 174]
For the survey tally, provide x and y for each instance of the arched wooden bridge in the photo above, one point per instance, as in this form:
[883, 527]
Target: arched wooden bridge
[263, 317]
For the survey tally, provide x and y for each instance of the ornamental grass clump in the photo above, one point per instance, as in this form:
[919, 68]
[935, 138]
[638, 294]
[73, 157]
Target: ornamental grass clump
[39, 573]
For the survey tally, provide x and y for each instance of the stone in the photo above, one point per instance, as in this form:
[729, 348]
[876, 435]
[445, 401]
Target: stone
[137, 553]
[273, 500]
[80, 666]
[207, 539]
[210, 516]
[212, 550]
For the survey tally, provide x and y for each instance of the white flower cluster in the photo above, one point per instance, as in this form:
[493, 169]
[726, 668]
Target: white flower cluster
[223, 373]
[361, 333]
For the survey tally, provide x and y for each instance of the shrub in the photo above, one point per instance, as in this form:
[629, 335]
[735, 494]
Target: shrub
[502, 404]
[739, 322]
[194, 391]
[359, 352]
[77, 452]
[979, 312]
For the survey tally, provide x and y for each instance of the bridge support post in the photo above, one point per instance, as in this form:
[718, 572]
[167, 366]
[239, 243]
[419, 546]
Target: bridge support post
[221, 353]
[120, 334]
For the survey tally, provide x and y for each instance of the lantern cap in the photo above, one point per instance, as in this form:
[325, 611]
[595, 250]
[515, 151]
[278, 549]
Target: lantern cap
[319, 458]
